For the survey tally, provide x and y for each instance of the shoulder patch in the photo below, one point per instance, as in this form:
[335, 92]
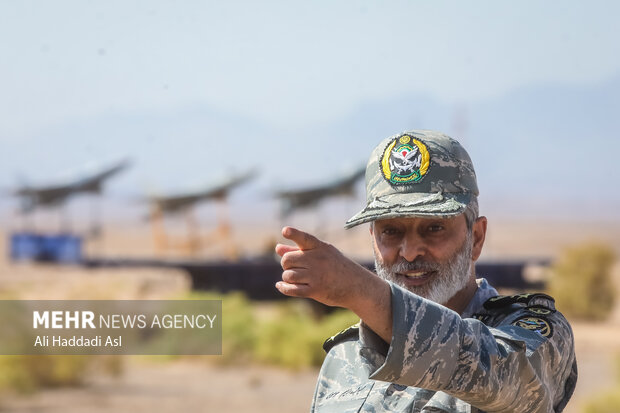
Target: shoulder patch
[537, 324]
[530, 300]
[350, 332]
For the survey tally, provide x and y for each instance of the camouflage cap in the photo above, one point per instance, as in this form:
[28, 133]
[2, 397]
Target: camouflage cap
[418, 173]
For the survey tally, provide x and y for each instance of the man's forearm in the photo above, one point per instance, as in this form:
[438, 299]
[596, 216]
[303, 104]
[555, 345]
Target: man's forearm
[372, 302]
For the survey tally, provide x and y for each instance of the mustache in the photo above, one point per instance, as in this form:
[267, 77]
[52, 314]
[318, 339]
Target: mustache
[403, 266]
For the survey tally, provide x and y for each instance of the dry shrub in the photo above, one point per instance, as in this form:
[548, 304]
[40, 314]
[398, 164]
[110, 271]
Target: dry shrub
[239, 325]
[295, 339]
[28, 373]
[581, 281]
[288, 336]
[608, 402]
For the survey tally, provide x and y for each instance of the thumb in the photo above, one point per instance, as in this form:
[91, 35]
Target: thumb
[304, 240]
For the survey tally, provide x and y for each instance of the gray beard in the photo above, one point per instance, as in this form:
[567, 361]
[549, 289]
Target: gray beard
[452, 275]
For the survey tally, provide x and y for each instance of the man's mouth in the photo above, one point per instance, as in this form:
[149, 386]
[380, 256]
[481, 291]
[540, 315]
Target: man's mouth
[415, 274]
[416, 278]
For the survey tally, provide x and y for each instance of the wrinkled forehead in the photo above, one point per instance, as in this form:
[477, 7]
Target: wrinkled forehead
[417, 220]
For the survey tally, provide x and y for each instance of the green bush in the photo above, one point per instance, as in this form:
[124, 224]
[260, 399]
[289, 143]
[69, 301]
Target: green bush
[239, 325]
[581, 281]
[283, 333]
[26, 374]
[295, 339]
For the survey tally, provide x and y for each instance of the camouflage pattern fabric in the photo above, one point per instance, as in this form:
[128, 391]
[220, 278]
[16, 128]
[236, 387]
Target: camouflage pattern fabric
[439, 361]
[418, 173]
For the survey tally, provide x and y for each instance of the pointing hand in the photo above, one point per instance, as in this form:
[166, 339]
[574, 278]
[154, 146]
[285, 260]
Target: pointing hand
[318, 270]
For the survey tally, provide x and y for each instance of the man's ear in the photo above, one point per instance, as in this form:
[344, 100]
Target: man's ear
[479, 231]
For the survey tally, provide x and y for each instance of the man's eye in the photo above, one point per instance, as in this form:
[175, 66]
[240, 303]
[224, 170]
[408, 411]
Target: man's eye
[435, 228]
[390, 231]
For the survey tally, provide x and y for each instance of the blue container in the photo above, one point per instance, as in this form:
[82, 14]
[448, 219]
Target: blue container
[24, 246]
[61, 248]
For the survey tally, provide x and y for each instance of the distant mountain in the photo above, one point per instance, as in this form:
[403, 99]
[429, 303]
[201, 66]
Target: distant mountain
[551, 139]
[547, 149]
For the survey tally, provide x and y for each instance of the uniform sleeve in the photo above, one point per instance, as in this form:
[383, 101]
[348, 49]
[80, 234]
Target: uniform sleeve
[314, 396]
[502, 369]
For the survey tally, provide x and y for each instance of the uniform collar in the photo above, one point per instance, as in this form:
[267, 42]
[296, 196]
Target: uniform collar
[483, 293]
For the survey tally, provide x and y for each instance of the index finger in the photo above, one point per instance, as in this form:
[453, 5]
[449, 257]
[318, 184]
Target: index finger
[304, 240]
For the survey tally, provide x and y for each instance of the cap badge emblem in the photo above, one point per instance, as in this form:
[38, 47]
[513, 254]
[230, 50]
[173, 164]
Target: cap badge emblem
[405, 161]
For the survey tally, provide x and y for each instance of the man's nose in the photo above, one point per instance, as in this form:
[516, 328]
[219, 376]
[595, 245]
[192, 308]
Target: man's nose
[412, 246]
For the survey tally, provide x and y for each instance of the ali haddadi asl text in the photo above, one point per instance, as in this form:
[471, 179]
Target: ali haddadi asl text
[81, 341]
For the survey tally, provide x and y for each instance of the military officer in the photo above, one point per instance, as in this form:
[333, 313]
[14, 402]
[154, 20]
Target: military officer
[432, 337]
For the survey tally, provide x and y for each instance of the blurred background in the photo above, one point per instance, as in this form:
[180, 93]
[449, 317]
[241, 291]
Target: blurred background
[154, 149]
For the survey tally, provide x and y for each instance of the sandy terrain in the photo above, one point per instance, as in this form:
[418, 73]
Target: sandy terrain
[198, 385]
[179, 386]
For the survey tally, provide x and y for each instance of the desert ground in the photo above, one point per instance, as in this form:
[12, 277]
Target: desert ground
[200, 385]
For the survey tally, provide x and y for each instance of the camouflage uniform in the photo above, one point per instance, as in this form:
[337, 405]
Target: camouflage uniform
[439, 361]
[502, 354]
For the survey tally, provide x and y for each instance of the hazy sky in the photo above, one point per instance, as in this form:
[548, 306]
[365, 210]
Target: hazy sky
[287, 63]
[97, 75]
